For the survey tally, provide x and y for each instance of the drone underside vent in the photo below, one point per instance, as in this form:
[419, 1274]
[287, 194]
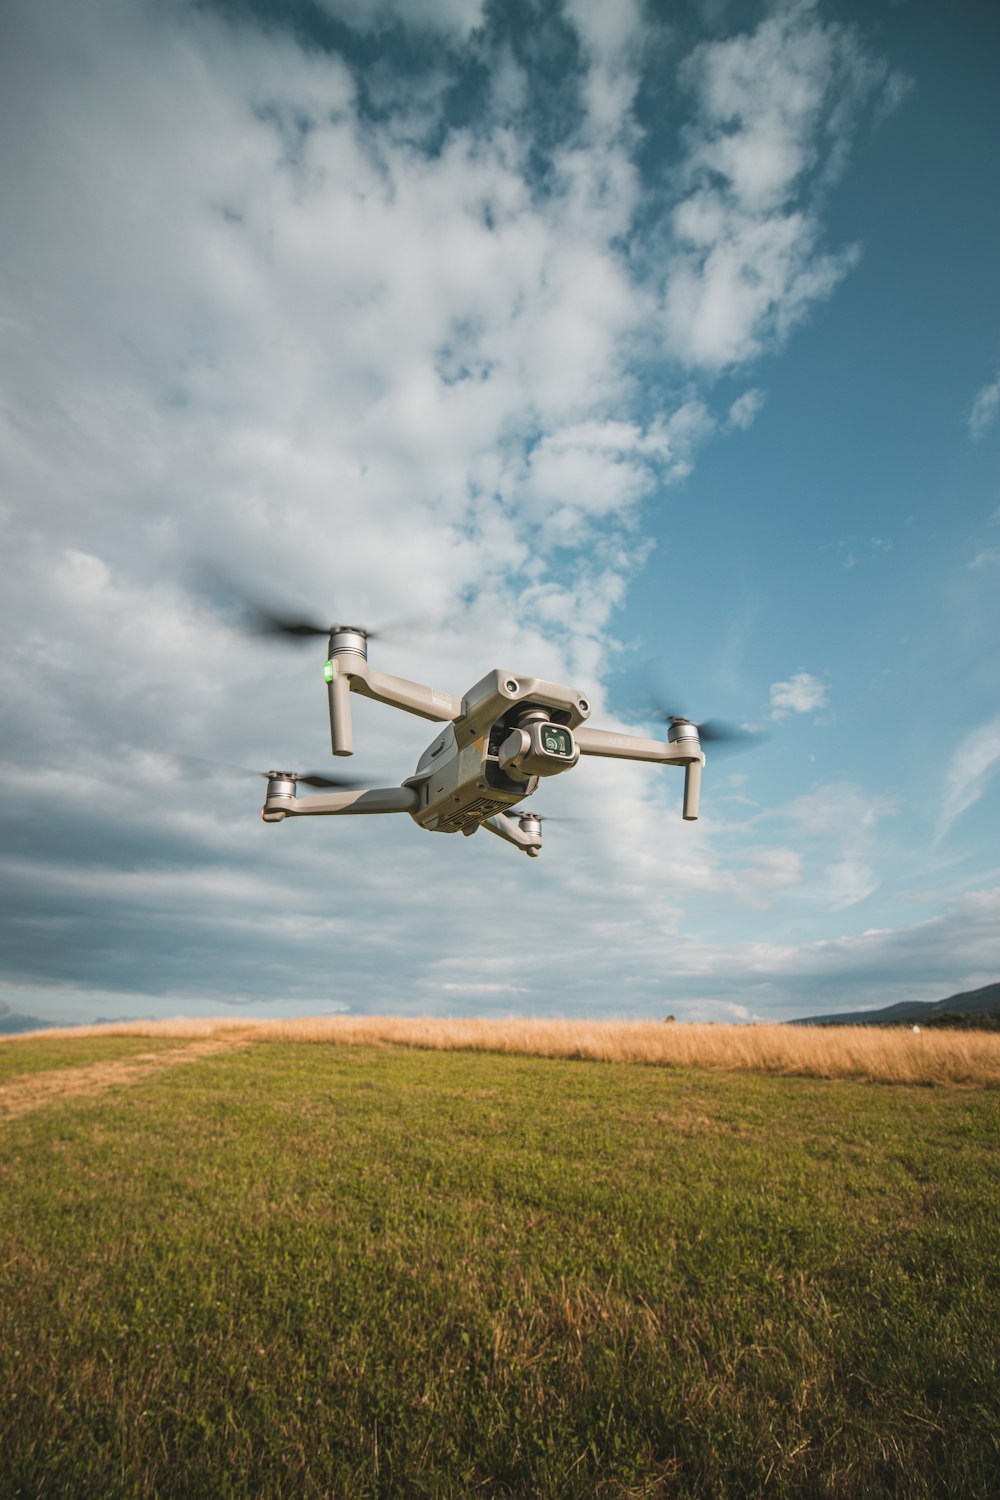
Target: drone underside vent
[471, 815]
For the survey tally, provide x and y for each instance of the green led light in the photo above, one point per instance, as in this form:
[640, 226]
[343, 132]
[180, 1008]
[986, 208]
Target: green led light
[328, 670]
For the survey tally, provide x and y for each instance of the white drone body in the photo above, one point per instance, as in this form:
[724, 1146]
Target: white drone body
[497, 744]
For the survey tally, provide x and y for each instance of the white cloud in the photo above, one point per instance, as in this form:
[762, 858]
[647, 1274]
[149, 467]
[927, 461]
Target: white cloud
[848, 881]
[988, 557]
[592, 469]
[839, 824]
[801, 694]
[476, 991]
[985, 409]
[458, 16]
[760, 95]
[257, 324]
[837, 808]
[956, 950]
[613, 38]
[970, 769]
[775, 111]
[747, 285]
[745, 408]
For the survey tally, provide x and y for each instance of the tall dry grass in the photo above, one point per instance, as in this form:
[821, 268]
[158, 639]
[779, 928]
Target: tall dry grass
[873, 1053]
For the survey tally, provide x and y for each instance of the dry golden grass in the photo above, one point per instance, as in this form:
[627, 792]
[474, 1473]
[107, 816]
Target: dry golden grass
[873, 1053]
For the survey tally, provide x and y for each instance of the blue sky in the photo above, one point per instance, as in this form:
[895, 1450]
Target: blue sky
[650, 349]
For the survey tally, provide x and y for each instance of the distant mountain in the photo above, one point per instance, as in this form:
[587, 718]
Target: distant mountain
[971, 1008]
[11, 1024]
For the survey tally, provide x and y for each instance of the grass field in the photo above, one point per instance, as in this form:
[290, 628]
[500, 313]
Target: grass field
[301, 1270]
[879, 1054]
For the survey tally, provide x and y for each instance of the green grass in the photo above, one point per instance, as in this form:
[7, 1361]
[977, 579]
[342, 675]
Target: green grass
[19, 1059]
[295, 1271]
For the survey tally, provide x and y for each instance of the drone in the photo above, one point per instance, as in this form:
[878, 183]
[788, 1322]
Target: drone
[497, 745]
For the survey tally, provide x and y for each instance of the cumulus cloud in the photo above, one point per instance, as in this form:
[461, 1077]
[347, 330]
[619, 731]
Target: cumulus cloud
[801, 694]
[775, 110]
[613, 38]
[380, 362]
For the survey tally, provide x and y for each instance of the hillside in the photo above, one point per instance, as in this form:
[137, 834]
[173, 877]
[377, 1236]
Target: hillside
[970, 1007]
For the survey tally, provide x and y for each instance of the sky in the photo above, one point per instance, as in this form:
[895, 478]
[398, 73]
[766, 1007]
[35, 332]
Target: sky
[650, 348]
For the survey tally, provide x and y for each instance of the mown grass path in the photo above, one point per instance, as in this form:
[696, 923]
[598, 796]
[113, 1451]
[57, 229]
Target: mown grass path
[37, 1087]
[294, 1270]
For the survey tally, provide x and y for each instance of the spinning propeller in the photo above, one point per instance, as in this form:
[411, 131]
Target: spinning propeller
[710, 731]
[263, 621]
[716, 731]
[337, 783]
[307, 778]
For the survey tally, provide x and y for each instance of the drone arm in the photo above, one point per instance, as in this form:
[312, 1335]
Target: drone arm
[631, 747]
[686, 752]
[383, 799]
[350, 673]
[508, 828]
[412, 697]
